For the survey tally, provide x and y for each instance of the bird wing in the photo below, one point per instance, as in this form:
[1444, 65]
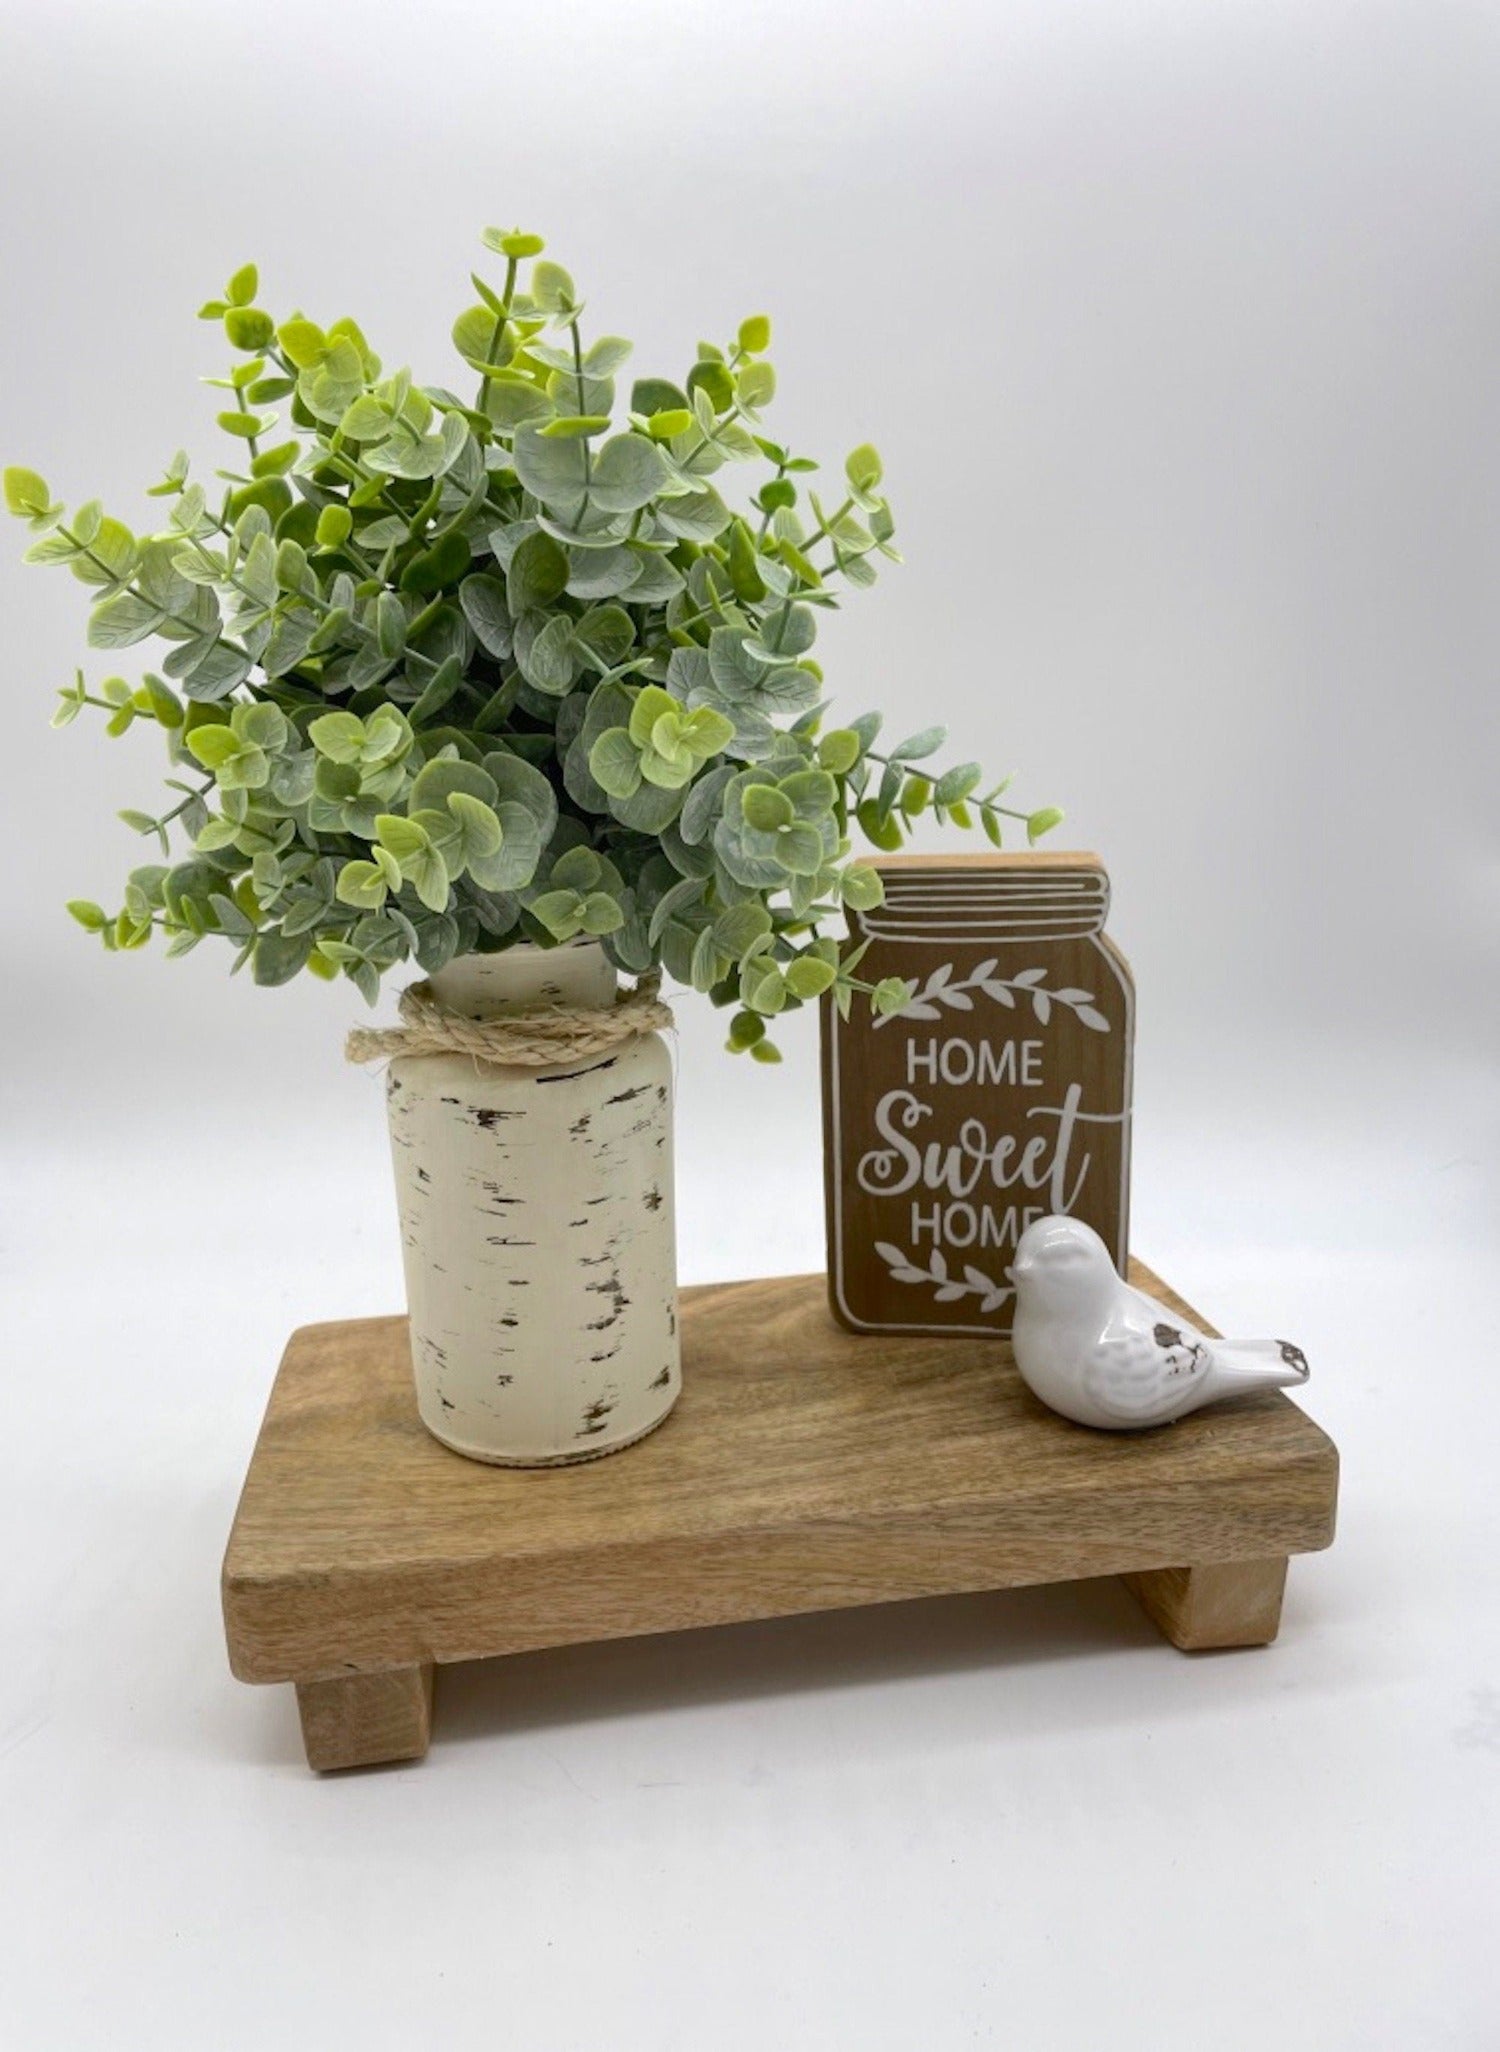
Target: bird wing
[1146, 1361]
[1139, 1310]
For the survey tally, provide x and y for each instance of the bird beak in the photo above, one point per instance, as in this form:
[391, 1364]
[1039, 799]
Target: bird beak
[1019, 1268]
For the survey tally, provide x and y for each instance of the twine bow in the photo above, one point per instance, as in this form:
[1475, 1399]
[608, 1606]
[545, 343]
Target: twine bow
[528, 1037]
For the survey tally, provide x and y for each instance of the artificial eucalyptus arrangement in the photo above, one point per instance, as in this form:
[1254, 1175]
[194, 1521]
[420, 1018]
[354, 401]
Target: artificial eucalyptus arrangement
[447, 674]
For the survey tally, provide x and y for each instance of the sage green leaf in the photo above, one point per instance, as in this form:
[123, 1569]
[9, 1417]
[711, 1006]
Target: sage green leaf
[650, 809]
[736, 674]
[755, 386]
[479, 826]
[627, 473]
[514, 403]
[552, 288]
[589, 527]
[1042, 822]
[697, 515]
[604, 634]
[812, 792]
[601, 573]
[657, 395]
[800, 849]
[440, 687]
[546, 655]
[390, 624]
[916, 746]
[438, 781]
[512, 866]
[482, 598]
[785, 634]
[123, 620]
[656, 577]
[606, 356]
[755, 334]
[278, 956]
[538, 572]
[703, 802]
[956, 784]
[520, 786]
[740, 929]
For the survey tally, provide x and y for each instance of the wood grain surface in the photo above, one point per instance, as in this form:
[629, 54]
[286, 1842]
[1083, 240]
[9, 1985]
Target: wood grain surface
[363, 1719]
[803, 1469]
[1002, 1092]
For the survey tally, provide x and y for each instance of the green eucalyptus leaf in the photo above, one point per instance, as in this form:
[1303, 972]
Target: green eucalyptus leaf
[627, 473]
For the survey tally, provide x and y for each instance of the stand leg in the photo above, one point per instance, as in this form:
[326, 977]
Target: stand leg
[1229, 1603]
[360, 1720]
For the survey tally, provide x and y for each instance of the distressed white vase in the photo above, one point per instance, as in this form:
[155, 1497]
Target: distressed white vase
[537, 1226]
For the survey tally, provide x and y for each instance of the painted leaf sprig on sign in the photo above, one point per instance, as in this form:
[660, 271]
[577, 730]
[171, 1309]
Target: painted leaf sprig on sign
[443, 672]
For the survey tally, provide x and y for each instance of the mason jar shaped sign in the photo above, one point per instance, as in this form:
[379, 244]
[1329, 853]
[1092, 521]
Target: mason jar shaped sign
[999, 1094]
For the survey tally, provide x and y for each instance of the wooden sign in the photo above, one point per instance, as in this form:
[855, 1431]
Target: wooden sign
[1001, 1093]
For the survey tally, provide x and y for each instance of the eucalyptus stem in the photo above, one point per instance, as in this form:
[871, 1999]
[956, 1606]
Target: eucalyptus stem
[594, 749]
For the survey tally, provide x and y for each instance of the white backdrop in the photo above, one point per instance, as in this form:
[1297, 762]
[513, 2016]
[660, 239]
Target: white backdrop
[1176, 327]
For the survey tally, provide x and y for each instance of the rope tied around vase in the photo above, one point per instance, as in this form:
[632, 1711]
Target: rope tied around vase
[529, 1037]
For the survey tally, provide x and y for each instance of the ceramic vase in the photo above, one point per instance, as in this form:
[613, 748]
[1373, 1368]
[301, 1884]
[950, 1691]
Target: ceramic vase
[537, 1226]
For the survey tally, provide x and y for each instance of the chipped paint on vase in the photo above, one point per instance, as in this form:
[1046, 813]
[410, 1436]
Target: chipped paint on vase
[537, 1227]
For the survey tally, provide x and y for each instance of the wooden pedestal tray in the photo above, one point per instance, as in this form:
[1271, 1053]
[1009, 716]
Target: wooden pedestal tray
[803, 1469]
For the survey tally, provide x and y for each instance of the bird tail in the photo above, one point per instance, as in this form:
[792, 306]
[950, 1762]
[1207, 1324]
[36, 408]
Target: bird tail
[1257, 1364]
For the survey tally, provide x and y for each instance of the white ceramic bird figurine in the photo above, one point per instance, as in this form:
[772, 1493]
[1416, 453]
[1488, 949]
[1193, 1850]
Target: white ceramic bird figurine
[1107, 1355]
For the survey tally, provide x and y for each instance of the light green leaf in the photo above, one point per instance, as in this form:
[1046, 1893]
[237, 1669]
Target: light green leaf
[766, 809]
[26, 493]
[651, 704]
[561, 912]
[363, 884]
[338, 735]
[863, 468]
[552, 288]
[861, 887]
[615, 763]
[479, 825]
[808, 976]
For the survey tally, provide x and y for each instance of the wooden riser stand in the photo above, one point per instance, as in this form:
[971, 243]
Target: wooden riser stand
[804, 1469]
